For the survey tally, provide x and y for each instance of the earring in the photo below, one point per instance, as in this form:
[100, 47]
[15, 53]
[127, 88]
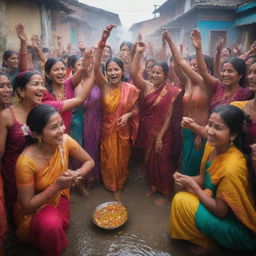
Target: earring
[39, 141]
[231, 141]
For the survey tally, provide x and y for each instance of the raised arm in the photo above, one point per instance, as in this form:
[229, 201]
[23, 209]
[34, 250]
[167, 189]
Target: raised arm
[250, 52]
[100, 79]
[24, 63]
[82, 71]
[36, 44]
[209, 80]
[217, 58]
[136, 67]
[194, 77]
[85, 87]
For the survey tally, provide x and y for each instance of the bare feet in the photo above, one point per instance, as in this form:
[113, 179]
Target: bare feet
[198, 250]
[81, 189]
[117, 196]
[161, 200]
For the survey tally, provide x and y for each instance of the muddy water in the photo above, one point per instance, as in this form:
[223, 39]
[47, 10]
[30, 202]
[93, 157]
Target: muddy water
[145, 233]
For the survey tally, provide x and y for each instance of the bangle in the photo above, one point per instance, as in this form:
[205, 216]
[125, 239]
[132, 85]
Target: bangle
[101, 44]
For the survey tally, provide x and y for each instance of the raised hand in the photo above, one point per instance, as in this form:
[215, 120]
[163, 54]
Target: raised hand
[187, 122]
[165, 34]
[196, 39]
[220, 44]
[140, 46]
[87, 62]
[139, 37]
[81, 46]
[236, 49]
[21, 32]
[106, 32]
[35, 41]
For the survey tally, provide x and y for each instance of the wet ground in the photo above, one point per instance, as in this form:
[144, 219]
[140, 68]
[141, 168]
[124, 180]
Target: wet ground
[145, 234]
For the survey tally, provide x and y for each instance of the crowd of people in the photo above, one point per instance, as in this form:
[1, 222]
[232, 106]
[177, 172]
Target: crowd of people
[73, 120]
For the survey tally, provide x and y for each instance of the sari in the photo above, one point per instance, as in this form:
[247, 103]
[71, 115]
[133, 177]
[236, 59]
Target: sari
[3, 219]
[115, 145]
[27, 173]
[225, 178]
[50, 99]
[92, 116]
[154, 111]
[219, 96]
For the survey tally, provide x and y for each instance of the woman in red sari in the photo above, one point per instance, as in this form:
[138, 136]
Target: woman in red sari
[158, 111]
[5, 100]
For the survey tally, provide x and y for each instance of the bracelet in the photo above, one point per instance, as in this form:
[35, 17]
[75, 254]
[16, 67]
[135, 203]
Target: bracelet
[101, 44]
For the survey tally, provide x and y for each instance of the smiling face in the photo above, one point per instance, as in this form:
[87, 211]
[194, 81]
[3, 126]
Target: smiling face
[5, 90]
[53, 132]
[106, 54]
[114, 73]
[252, 77]
[193, 65]
[218, 133]
[34, 89]
[229, 75]
[58, 73]
[12, 61]
[157, 76]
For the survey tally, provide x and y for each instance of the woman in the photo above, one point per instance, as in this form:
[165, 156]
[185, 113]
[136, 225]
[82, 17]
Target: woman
[249, 108]
[159, 115]
[30, 88]
[59, 88]
[120, 119]
[231, 86]
[44, 181]
[218, 206]
[125, 54]
[195, 105]
[5, 100]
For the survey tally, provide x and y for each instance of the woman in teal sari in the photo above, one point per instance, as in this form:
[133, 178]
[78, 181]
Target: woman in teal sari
[218, 206]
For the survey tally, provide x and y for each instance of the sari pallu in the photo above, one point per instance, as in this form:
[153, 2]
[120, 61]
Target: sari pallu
[116, 141]
[191, 220]
[27, 173]
[154, 112]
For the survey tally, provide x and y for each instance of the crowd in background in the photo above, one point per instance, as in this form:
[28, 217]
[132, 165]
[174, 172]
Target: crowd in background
[73, 120]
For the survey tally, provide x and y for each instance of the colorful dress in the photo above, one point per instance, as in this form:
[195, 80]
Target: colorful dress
[154, 111]
[115, 147]
[3, 219]
[219, 96]
[92, 116]
[48, 98]
[15, 142]
[45, 228]
[225, 178]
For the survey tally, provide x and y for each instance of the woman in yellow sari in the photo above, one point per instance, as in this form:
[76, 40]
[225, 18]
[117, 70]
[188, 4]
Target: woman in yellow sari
[219, 205]
[44, 181]
[120, 119]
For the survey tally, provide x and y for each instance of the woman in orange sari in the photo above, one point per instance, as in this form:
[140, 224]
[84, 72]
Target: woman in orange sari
[44, 181]
[120, 119]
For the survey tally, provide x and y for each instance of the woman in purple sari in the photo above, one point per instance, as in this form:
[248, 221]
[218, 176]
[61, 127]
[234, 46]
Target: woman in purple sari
[159, 120]
[91, 131]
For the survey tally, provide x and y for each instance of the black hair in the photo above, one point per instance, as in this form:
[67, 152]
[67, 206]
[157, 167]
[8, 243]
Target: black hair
[6, 56]
[235, 119]
[37, 119]
[126, 43]
[4, 74]
[240, 66]
[45, 50]
[32, 51]
[72, 60]
[164, 67]
[21, 80]
[208, 61]
[47, 68]
[119, 62]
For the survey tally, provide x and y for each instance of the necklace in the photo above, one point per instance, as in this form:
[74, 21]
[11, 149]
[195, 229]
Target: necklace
[59, 94]
[44, 156]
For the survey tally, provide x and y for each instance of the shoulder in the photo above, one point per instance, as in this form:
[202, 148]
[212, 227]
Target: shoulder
[239, 104]
[25, 159]
[130, 87]
[6, 116]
